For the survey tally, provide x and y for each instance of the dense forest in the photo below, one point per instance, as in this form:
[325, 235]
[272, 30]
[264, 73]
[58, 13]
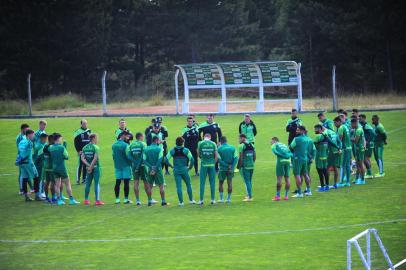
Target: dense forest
[66, 44]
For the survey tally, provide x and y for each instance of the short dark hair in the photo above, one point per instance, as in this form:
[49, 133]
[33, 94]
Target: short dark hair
[179, 141]
[43, 135]
[223, 139]
[318, 126]
[294, 110]
[354, 120]
[211, 114]
[337, 119]
[320, 114]
[124, 132]
[243, 136]
[189, 118]
[340, 111]
[302, 128]
[138, 135]
[121, 120]
[56, 136]
[29, 131]
[92, 136]
[355, 110]
[24, 126]
[50, 137]
[275, 139]
[155, 139]
[362, 116]
[375, 116]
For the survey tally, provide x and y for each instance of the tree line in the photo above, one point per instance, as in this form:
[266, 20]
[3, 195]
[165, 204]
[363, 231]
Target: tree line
[66, 44]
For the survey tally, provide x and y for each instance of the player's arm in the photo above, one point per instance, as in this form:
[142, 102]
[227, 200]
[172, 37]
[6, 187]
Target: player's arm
[219, 133]
[198, 149]
[222, 162]
[77, 143]
[292, 145]
[190, 157]
[160, 157]
[239, 128]
[83, 159]
[235, 160]
[254, 130]
[168, 157]
[65, 154]
[146, 163]
[240, 157]
[216, 153]
[129, 154]
[255, 154]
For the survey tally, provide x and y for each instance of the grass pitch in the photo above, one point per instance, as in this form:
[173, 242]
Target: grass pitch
[307, 233]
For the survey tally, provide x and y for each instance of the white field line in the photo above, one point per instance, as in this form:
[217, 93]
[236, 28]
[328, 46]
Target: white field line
[395, 130]
[196, 236]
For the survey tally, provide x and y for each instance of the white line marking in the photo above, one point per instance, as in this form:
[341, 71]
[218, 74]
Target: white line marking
[395, 130]
[7, 174]
[45, 241]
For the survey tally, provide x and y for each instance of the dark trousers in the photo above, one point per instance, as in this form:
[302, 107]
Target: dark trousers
[196, 163]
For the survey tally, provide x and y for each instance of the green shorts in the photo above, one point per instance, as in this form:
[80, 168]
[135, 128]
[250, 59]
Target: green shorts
[334, 160]
[157, 179]
[359, 155]
[48, 176]
[369, 151]
[300, 167]
[124, 173]
[283, 169]
[225, 175]
[61, 174]
[321, 163]
[28, 171]
[139, 174]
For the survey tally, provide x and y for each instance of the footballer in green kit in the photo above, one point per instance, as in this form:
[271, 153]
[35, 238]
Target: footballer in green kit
[369, 133]
[300, 146]
[122, 126]
[19, 138]
[90, 157]
[380, 141]
[326, 123]
[135, 152]
[311, 156]
[248, 128]
[182, 162]
[246, 163]
[59, 155]
[359, 150]
[38, 161]
[228, 159]
[122, 167]
[344, 135]
[25, 161]
[283, 158]
[208, 154]
[47, 174]
[322, 146]
[334, 155]
[41, 130]
[153, 156]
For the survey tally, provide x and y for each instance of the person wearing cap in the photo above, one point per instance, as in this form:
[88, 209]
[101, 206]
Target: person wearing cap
[81, 138]
[248, 128]
[293, 123]
[212, 128]
[190, 134]
[122, 126]
[150, 127]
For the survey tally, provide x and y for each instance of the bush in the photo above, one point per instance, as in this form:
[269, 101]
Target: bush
[13, 107]
[59, 102]
[157, 100]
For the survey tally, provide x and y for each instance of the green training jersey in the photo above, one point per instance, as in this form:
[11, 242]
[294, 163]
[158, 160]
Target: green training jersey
[282, 153]
[344, 134]
[360, 145]
[38, 150]
[335, 144]
[89, 151]
[300, 146]
[135, 152]
[311, 149]
[248, 155]
[228, 156]
[37, 134]
[207, 153]
[119, 155]
[182, 157]
[369, 134]
[321, 143]
[153, 156]
[46, 156]
[25, 148]
[381, 135]
[327, 124]
[58, 155]
[19, 138]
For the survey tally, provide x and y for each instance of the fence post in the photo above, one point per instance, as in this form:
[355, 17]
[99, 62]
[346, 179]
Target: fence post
[29, 94]
[103, 81]
[333, 81]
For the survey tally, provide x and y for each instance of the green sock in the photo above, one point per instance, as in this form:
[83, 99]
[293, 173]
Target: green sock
[369, 171]
[278, 193]
[221, 196]
[299, 191]
[286, 193]
[229, 196]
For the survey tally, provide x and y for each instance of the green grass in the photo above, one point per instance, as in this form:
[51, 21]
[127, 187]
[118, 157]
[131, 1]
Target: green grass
[61, 102]
[13, 107]
[284, 246]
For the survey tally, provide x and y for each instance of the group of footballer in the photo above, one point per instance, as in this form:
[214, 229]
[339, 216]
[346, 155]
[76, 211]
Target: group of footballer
[145, 157]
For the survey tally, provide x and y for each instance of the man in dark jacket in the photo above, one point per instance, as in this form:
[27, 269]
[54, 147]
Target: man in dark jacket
[81, 138]
[190, 134]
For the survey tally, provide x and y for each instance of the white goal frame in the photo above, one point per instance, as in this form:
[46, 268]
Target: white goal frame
[223, 85]
[367, 261]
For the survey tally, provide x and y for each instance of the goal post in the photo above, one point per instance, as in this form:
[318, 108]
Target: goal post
[228, 76]
[366, 259]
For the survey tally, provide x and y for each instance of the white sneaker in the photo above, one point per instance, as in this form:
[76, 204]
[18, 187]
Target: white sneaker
[192, 202]
[200, 203]
[308, 193]
[153, 201]
[42, 195]
[220, 201]
[213, 202]
[297, 195]
[228, 201]
[181, 204]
